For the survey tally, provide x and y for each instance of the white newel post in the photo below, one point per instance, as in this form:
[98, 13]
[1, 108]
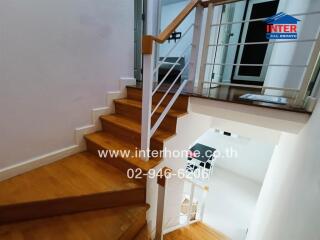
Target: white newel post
[148, 61]
[160, 212]
[195, 48]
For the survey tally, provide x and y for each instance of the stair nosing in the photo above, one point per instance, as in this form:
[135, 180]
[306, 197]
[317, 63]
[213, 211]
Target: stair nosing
[169, 114]
[136, 130]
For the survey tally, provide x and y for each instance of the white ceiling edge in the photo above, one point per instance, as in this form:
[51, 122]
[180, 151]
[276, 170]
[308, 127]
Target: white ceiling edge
[167, 2]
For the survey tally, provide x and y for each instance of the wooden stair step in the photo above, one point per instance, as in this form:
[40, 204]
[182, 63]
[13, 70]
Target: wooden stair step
[77, 183]
[129, 130]
[138, 105]
[122, 223]
[135, 93]
[132, 109]
[108, 141]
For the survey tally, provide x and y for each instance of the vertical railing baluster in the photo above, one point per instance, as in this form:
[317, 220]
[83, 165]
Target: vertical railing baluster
[191, 202]
[204, 58]
[195, 48]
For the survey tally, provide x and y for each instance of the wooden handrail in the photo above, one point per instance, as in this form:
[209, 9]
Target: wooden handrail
[165, 34]
[147, 40]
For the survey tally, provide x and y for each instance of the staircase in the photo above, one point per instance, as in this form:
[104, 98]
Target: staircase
[89, 196]
[83, 196]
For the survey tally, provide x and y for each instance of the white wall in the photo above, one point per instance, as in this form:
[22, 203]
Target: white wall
[294, 53]
[58, 60]
[288, 207]
[230, 203]
[152, 17]
[240, 117]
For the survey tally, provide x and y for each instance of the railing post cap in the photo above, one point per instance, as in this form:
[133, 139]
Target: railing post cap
[147, 44]
[163, 174]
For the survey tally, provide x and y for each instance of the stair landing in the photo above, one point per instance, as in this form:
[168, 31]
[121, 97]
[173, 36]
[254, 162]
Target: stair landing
[76, 183]
[116, 223]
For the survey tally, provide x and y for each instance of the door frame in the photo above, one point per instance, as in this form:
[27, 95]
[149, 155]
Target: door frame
[139, 30]
[251, 79]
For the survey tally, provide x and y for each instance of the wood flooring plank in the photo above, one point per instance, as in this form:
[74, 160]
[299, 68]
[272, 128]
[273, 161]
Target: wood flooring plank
[196, 231]
[111, 224]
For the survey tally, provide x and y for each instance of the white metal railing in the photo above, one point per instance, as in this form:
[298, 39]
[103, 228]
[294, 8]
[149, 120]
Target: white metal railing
[148, 111]
[258, 65]
[263, 43]
[261, 19]
[176, 63]
[174, 47]
[310, 66]
[253, 86]
[167, 92]
[150, 88]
